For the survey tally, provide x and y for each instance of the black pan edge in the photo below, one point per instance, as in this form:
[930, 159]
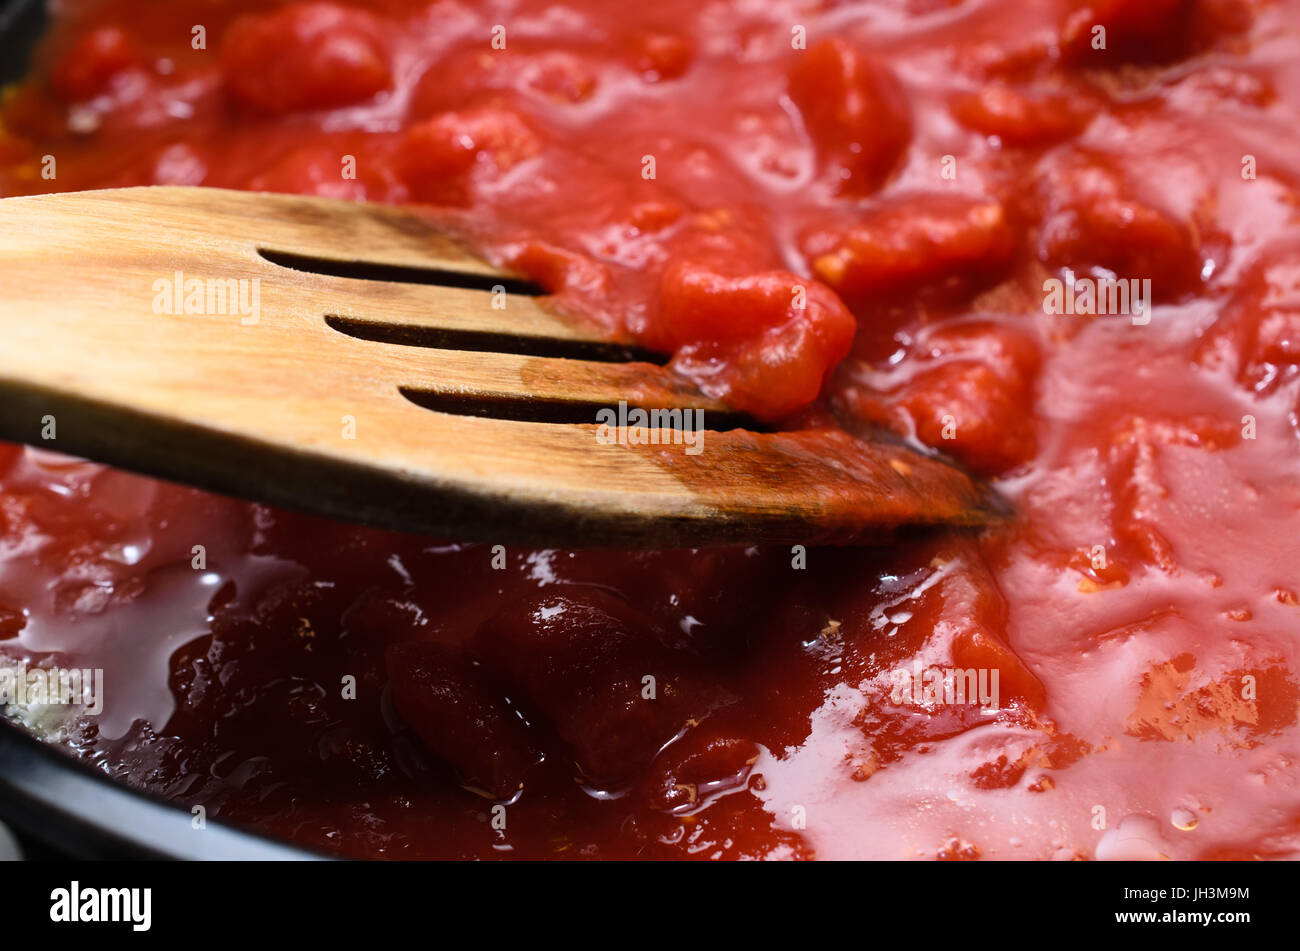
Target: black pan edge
[79, 811]
[21, 24]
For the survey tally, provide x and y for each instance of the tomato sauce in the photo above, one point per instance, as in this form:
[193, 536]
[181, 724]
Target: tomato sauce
[921, 170]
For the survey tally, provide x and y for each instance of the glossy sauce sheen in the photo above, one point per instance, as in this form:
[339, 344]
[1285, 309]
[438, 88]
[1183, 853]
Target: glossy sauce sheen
[919, 170]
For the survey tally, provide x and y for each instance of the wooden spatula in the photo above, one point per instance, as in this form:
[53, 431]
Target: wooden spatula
[348, 360]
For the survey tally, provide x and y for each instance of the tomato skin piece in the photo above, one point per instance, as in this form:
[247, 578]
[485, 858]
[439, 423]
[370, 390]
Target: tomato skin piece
[1135, 31]
[1094, 218]
[441, 157]
[663, 56]
[458, 715]
[92, 61]
[778, 336]
[914, 242]
[581, 657]
[305, 56]
[976, 614]
[1022, 117]
[522, 76]
[699, 303]
[705, 759]
[969, 397]
[967, 410]
[314, 169]
[1256, 336]
[854, 113]
[978, 649]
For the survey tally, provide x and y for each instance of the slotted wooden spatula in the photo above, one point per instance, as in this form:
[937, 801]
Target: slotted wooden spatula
[347, 360]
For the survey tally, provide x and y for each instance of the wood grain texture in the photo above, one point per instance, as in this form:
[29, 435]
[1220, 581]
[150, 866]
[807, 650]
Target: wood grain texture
[261, 409]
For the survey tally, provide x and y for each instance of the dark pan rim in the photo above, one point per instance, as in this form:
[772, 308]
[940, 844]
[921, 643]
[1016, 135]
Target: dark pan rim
[67, 804]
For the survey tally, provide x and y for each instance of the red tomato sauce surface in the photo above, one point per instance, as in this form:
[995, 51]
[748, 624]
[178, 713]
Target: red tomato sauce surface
[919, 169]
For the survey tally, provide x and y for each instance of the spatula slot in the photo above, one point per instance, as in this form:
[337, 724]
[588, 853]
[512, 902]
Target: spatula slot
[400, 273]
[496, 406]
[480, 341]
